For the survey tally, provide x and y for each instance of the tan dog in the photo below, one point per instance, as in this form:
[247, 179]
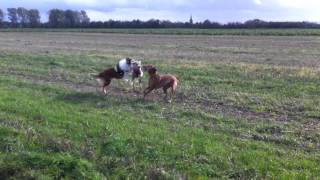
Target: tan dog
[157, 81]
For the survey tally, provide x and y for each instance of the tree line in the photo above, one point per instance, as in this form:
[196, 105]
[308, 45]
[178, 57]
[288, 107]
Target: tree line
[57, 18]
[30, 18]
[20, 17]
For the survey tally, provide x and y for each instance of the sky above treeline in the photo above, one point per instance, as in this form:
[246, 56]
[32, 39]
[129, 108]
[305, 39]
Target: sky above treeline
[222, 11]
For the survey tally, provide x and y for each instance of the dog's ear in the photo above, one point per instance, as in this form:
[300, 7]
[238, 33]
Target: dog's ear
[128, 60]
[152, 70]
[147, 67]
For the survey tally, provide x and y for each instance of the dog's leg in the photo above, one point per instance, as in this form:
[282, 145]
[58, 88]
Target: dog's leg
[173, 89]
[133, 87]
[147, 91]
[133, 84]
[104, 88]
[127, 81]
[140, 83]
[166, 93]
[171, 94]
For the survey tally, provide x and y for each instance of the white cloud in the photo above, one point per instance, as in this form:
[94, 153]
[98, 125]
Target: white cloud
[82, 2]
[135, 13]
[258, 2]
[299, 4]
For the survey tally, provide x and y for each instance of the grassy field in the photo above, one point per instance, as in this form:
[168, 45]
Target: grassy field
[246, 108]
[184, 31]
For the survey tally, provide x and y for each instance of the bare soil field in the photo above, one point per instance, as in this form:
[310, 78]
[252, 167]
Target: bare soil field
[273, 50]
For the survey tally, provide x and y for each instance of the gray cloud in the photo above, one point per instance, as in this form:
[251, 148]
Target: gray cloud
[180, 10]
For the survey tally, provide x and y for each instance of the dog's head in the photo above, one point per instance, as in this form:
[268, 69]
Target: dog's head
[136, 67]
[135, 63]
[152, 71]
[128, 60]
[147, 67]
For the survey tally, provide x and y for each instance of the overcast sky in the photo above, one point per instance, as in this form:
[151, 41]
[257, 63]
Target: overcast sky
[180, 10]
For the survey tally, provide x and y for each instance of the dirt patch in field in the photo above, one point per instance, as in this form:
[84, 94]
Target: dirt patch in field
[185, 98]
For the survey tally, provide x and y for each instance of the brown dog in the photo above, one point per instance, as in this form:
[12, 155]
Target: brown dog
[137, 73]
[157, 81]
[104, 78]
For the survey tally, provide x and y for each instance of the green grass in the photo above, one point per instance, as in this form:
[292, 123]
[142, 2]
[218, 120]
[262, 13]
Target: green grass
[185, 31]
[55, 125]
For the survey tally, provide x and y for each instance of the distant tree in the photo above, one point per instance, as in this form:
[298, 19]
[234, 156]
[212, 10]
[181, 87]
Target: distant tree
[206, 23]
[1, 17]
[111, 23]
[56, 18]
[84, 18]
[167, 24]
[256, 23]
[12, 15]
[34, 18]
[233, 25]
[97, 24]
[23, 16]
[152, 23]
[136, 23]
[71, 18]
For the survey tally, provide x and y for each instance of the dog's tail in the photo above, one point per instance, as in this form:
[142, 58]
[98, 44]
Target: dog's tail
[175, 85]
[98, 78]
[93, 75]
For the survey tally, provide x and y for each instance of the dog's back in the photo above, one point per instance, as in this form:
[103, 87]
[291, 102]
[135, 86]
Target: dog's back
[109, 74]
[157, 81]
[168, 81]
[105, 76]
